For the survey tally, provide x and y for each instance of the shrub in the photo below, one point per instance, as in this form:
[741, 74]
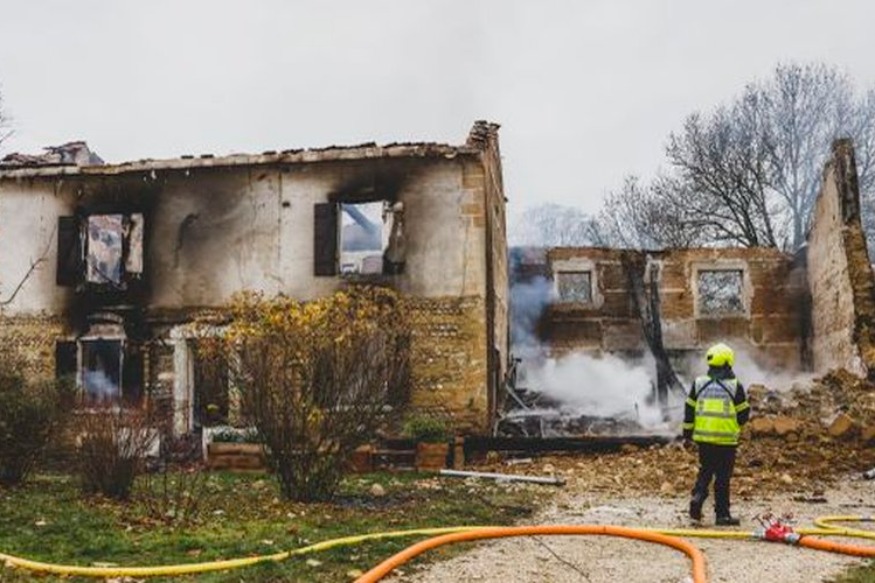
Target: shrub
[426, 428]
[175, 492]
[113, 445]
[29, 416]
[316, 377]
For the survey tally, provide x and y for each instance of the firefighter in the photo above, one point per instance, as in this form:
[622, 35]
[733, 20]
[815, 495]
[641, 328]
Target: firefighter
[715, 411]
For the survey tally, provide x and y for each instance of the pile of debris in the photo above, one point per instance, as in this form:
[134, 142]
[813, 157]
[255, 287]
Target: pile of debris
[798, 442]
[69, 154]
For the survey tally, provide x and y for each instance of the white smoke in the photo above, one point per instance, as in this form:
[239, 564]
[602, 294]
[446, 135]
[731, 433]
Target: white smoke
[751, 369]
[582, 384]
[604, 386]
[528, 301]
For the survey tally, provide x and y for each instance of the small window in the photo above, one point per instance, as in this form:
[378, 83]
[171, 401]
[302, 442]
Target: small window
[721, 292]
[574, 286]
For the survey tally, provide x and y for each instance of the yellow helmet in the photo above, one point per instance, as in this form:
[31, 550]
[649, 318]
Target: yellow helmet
[720, 355]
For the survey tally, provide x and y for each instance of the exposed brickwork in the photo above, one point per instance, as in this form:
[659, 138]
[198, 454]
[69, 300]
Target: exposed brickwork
[839, 272]
[771, 322]
[449, 368]
[32, 337]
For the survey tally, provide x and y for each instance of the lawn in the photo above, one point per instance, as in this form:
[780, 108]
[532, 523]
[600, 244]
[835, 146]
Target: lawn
[241, 515]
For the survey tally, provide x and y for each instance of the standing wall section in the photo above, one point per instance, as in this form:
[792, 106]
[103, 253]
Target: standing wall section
[840, 275]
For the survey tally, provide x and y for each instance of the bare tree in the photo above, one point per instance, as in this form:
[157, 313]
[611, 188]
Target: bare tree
[806, 107]
[647, 216]
[748, 173]
[553, 225]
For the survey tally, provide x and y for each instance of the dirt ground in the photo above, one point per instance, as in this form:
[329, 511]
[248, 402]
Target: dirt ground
[603, 559]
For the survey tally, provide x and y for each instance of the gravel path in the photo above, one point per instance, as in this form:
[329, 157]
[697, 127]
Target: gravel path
[602, 559]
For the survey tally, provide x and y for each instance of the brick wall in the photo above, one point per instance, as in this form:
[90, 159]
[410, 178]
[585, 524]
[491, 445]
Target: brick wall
[771, 324]
[32, 337]
[448, 360]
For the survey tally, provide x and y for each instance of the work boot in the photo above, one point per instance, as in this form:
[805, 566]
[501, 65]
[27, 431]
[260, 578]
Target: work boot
[696, 509]
[727, 520]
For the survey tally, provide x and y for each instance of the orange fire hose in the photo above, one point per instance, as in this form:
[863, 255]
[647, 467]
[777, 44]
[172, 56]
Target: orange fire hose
[695, 555]
[834, 547]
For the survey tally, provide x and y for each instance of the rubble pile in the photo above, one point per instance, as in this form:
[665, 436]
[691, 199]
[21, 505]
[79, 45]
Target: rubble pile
[798, 442]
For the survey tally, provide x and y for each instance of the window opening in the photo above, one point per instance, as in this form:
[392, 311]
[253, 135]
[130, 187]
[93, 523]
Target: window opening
[101, 250]
[211, 388]
[574, 286]
[721, 292]
[362, 239]
[104, 254]
[102, 370]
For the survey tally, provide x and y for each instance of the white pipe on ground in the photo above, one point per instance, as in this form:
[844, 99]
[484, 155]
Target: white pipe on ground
[551, 481]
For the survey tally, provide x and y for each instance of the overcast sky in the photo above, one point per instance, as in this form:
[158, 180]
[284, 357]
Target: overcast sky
[586, 91]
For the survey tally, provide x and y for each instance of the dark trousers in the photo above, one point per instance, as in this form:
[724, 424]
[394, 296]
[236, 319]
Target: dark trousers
[717, 462]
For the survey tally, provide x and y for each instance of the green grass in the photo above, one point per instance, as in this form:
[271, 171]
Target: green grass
[242, 515]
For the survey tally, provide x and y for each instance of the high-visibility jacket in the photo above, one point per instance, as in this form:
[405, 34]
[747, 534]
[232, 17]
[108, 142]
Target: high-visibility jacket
[717, 404]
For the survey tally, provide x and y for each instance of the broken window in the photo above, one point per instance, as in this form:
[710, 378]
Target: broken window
[574, 286]
[107, 370]
[103, 250]
[102, 370]
[721, 292]
[359, 238]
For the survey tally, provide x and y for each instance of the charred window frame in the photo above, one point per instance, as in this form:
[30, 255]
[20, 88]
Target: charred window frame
[720, 292]
[574, 286]
[100, 251]
[106, 370]
[359, 238]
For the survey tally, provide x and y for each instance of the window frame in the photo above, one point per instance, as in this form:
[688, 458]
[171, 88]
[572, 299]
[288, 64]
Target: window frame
[577, 265]
[567, 300]
[73, 266]
[722, 266]
[70, 353]
[328, 237]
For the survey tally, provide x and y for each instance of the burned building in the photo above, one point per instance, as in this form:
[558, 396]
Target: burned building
[105, 264]
[808, 311]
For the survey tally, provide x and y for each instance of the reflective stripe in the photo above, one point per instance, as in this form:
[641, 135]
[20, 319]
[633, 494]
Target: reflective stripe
[687, 425]
[743, 406]
[716, 418]
[720, 415]
[691, 402]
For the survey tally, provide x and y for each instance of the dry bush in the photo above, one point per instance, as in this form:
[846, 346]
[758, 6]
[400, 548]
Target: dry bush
[316, 377]
[175, 491]
[31, 413]
[113, 443]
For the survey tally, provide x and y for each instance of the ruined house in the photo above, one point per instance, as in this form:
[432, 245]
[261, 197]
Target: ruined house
[809, 311]
[105, 264]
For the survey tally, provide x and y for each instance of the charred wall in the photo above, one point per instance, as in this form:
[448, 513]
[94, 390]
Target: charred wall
[839, 272]
[214, 231]
[767, 316]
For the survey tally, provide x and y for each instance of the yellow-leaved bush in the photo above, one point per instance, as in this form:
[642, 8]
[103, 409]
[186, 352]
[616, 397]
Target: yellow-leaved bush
[315, 378]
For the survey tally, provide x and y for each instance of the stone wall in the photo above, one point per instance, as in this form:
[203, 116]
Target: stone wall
[839, 272]
[448, 360]
[33, 339]
[771, 321]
